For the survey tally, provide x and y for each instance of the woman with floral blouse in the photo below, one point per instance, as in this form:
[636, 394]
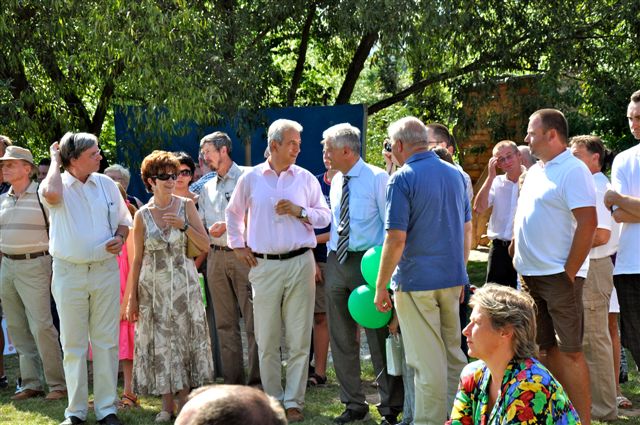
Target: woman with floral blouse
[507, 385]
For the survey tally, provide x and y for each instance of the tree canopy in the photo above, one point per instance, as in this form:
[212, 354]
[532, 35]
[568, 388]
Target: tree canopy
[65, 64]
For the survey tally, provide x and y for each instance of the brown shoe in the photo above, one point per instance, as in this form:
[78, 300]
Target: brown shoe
[294, 415]
[27, 394]
[56, 395]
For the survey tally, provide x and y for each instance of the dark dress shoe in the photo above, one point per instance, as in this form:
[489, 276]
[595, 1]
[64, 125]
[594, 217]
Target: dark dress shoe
[73, 420]
[110, 419]
[350, 416]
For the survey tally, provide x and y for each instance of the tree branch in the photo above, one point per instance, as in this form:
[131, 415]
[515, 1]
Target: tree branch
[105, 98]
[355, 67]
[302, 55]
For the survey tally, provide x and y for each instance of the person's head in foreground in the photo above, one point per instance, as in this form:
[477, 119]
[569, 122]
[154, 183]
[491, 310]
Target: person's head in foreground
[507, 384]
[231, 404]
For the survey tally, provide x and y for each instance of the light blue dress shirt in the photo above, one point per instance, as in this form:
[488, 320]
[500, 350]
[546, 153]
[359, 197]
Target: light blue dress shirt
[367, 194]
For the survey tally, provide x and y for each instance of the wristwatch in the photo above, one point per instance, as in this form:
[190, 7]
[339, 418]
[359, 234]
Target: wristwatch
[303, 214]
[185, 227]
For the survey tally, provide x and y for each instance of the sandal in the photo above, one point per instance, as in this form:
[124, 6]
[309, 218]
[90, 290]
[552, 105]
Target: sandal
[164, 416]
[623, 402]
[128, 401]
[316, 380]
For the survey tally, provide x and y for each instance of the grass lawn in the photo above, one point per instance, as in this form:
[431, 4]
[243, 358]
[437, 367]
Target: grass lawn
[322, 403]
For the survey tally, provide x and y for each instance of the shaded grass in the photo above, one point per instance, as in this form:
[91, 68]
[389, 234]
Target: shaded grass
[322, 403]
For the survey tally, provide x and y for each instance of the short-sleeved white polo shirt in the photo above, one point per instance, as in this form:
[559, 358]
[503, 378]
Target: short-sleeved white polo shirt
[544, 224]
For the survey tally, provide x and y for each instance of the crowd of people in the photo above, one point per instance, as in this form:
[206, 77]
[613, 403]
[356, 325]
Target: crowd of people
[90, 272]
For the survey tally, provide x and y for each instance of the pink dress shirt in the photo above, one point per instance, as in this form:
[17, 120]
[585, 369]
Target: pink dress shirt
[257, 192]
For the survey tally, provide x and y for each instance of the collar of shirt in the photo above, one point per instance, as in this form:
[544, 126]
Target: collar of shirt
[233, 173]
[69, 179]
[420, 155]
[265, 168]
[356, 169]
[32, 188]
[559, 159]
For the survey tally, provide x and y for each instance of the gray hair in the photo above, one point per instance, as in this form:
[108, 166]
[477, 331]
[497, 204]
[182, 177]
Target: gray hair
[341, 135]
[73, 144]
[509, 308]
[410, 130]
[278, 127]
[117, 168]
[218, 139]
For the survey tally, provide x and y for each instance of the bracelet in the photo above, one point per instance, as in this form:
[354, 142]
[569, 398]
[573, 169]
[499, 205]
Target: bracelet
[186, 226]
[121, 237]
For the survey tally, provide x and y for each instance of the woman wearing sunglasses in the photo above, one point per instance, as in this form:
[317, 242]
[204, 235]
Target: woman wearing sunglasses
[172, 351]
[185, 176]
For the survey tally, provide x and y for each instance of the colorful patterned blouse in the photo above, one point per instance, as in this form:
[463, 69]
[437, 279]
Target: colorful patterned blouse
[529, 395]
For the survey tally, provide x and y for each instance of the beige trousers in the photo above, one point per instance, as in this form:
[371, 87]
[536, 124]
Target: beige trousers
[283, 295]
[596, 343]
[25, 288]
[430, 327]
[88, 301]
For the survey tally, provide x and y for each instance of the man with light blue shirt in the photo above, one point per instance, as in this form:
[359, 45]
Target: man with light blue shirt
[428, 213]
[357, 223]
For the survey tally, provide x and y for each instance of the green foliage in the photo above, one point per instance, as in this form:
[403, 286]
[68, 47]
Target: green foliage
[63, 65]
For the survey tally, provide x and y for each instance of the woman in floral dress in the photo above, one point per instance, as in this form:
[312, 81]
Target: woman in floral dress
[172, 346]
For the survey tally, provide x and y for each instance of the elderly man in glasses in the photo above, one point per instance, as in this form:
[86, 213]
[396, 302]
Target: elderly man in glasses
[501, 193]
[89, 224]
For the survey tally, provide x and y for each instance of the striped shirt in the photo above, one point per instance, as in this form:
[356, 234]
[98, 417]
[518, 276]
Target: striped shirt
[22, 226]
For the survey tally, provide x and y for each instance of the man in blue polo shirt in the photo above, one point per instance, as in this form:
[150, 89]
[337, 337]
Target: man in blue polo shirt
[428, 212]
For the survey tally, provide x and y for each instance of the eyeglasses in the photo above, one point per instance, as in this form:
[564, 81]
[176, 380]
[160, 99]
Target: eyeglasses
[185, 173]
[165, 177]
[503, 159]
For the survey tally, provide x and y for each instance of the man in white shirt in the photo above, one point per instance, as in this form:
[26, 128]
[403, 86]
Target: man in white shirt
[89, 224]
[501, 193]
[598, 286]
[624, 201]
[554, 226]
[357, 223]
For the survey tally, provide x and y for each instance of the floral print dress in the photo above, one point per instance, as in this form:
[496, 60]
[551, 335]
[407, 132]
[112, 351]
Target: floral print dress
[529, 394]
[172, 345]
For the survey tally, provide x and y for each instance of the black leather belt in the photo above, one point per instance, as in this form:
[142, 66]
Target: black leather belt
[501, 242]
[284, 256]
[221, 248]
[26, 256]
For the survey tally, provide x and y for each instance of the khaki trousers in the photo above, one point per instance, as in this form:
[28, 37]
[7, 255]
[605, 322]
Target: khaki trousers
[25, 288]
[228, 280]
[596, 343]
[283, 294]
[430, 327]
[88, 300]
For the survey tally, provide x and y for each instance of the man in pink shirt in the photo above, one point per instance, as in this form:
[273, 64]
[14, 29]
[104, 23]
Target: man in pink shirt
[283, 203]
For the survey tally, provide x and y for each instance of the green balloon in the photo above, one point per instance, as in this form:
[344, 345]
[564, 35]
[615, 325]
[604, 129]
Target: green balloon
[364, 311]
[370, 265]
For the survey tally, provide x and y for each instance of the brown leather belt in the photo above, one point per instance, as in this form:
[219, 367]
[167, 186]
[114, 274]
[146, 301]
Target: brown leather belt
[220, 248]
[28, 256]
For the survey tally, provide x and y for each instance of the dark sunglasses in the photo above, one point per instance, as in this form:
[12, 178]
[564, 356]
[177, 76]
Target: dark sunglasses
[165, 177]
[387, 145]
[185, 173]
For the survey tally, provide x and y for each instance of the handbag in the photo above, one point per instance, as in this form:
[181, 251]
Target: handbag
[192, 249]
[395, 354]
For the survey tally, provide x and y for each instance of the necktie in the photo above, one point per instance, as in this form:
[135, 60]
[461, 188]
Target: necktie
[343, 225]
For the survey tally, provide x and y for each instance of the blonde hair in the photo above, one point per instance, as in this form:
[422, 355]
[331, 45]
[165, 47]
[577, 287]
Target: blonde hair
[509, 308]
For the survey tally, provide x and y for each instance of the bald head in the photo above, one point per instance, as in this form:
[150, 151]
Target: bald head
[231, 404]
